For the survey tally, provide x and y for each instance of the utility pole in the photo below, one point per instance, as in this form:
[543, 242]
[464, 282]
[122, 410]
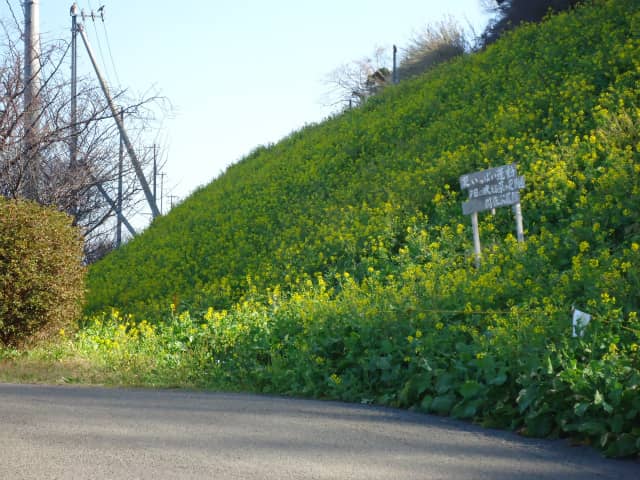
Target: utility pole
[120, 167]
[73, 149]
[117, 204]
[155, 175]
[161, 190]
[31, 102]
[129, 146]
[394, 77]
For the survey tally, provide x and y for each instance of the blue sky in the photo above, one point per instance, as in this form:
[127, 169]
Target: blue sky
[238, 73]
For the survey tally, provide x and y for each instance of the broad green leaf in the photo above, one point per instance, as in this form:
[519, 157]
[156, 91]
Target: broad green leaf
[598, 398]
[470, 389]
[499, 379]
[580, 408]
[442, 404]
[623, 446]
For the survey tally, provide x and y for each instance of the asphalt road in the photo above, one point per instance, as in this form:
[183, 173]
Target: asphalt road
[93, 433]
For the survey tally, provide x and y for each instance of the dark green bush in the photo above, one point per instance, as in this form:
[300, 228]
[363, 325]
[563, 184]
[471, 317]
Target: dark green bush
[41, 274]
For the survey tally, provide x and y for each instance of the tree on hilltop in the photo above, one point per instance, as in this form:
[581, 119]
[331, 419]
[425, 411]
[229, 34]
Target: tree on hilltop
[437, 43]
[508, 14]
[352, 83]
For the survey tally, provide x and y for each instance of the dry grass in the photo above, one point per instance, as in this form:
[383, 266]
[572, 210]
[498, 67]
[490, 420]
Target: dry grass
[48, 371]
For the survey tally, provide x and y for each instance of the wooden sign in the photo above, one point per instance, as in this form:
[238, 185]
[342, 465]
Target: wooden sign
[490, 189]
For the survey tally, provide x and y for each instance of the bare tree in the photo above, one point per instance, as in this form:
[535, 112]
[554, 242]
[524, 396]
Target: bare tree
[86, 188]
[352, 83]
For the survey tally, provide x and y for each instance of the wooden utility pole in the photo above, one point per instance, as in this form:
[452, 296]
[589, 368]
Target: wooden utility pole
[120, 168]
[161, 190]
[394, 77]
[127, 142]
[31, 102]
[73, 147]
[155, 175]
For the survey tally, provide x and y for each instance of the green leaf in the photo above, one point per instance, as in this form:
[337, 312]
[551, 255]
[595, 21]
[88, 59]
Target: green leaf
[526, 397]
[598, 398]
[442, 404]
[624, 446]
[549, 366]
[499, 379]
[580, 408]
[383, 362]
[591, 427]
[425, 405]
[539, 425]
[617, 423]
[466, 409]
[470, 389]
[423, 383]
[445, 383]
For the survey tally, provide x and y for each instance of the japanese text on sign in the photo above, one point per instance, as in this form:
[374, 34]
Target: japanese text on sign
[487, 177]
[492, 188]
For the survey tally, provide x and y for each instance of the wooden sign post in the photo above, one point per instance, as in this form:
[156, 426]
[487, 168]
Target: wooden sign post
[490, 189]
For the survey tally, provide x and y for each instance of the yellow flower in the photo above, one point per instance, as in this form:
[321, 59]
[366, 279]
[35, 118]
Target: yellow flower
[439, 326]
[635, 246]
[410, 339]
[634, 347]
[606, 298]
[613, 348]
[418, 333]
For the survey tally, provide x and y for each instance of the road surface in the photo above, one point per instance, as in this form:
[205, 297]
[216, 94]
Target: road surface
[94, 433]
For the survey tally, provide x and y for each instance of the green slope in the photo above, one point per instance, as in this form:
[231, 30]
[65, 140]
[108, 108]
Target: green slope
[560, 98]
[339, 265]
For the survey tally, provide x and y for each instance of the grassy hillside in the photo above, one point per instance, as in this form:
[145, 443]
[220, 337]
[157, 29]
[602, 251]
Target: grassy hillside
[316, 201]
[337, 263]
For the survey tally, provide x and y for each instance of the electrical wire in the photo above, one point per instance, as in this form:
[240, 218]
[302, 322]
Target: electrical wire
[98, 40]
[113, 63]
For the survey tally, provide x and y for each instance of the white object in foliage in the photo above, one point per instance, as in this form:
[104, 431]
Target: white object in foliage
[580, 322]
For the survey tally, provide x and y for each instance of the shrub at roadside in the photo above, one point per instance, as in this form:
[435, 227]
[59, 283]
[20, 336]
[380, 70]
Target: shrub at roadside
[41, 274]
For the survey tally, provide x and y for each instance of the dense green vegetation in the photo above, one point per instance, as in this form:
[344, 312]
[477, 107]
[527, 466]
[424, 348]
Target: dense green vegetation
[337, 263]
[41, 275]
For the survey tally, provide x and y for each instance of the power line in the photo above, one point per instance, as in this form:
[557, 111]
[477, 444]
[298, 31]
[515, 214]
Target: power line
[113, 63]
[92, 15]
